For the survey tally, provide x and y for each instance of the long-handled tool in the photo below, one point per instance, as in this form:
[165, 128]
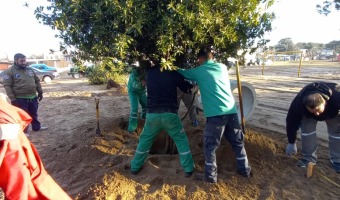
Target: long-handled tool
[98, 131]
[240, 97]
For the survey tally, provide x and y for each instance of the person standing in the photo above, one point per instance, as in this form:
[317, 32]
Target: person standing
[317, 101]
[220, 110]
[162, 114]
[137, 94]
[22, 85]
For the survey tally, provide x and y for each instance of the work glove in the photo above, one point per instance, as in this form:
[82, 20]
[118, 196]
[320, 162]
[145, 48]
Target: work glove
[291, 149]
[40, 96]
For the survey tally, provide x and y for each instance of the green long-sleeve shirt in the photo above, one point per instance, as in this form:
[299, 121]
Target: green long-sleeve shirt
[214, 85]
[134, 83]
[21, 83]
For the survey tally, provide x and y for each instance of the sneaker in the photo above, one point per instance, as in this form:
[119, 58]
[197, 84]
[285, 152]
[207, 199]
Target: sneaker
[195, 123]
[303, 163]
[188, 174]
[201, 177]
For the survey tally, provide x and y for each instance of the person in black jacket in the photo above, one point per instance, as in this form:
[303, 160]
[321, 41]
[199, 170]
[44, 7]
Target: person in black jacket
[318, 101]
[162, 114]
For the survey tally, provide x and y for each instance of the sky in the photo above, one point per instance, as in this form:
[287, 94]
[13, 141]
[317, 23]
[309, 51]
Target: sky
[296, 19]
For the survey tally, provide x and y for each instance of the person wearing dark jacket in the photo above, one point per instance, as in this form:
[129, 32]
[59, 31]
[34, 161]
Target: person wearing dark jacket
[162, 114]
[318, 101]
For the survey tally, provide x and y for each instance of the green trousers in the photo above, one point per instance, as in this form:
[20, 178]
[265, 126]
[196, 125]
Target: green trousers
[136, 98]
[171, 123]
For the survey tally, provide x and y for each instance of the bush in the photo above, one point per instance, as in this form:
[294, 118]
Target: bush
[107, 70]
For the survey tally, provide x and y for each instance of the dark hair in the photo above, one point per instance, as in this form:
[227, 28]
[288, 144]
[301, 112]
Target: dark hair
[206, 52]
[313, 100]
[19, 55]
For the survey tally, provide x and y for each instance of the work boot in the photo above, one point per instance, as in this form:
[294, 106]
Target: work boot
[42, 128]
[188, 174]
[201, 177]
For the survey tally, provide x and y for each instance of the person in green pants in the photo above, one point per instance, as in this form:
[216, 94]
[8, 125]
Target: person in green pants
[162, 114]
[137, 94]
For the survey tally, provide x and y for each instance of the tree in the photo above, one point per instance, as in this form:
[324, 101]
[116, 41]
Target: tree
[285, 44]
[334, 45]
[326, 6]
[169, 31]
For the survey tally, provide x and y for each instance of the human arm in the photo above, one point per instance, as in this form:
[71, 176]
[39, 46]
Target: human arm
[293, 121]
[38, 87]
[294, 118]
[8, 85]
[188, 73]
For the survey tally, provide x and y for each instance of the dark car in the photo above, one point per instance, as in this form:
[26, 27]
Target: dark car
[46, 76]
[43, 67]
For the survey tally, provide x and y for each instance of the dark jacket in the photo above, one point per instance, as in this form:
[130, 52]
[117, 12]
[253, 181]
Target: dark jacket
[162, 89]
[330, 92]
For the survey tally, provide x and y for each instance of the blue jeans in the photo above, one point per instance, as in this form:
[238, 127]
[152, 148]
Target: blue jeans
[31, 107]
[228, 126]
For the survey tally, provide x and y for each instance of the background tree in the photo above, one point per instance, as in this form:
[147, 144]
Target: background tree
[326, 7]
[334, 45]
[169, 31]
[285, 44]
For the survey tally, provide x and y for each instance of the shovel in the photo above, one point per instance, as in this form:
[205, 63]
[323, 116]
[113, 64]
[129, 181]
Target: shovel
[98, 131]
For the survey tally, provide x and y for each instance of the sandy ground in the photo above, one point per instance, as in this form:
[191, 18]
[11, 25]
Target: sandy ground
[90, 167]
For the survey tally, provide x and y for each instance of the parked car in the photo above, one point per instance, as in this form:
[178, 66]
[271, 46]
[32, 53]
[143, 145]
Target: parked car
[2, 77]
[46, 76]
[43, 67]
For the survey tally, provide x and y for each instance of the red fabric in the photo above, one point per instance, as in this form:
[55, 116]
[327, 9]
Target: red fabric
[22, 174]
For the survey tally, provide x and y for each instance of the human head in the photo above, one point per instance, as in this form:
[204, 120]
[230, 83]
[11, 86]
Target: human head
[20, 60]
[204, 54]
[314, 103]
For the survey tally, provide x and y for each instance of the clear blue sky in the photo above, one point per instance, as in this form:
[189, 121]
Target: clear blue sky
[297, 19]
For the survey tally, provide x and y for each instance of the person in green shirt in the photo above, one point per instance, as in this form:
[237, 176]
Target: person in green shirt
[137, 94]
[220, 110]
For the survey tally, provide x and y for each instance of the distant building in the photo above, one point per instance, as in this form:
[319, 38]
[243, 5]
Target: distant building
[5, 64]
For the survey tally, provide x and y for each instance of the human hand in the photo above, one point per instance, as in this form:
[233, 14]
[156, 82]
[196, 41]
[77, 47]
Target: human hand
[40, 96]
[291, 149]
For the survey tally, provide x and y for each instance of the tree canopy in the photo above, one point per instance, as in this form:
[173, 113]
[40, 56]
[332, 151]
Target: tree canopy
[326, 7]
[170, 31]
